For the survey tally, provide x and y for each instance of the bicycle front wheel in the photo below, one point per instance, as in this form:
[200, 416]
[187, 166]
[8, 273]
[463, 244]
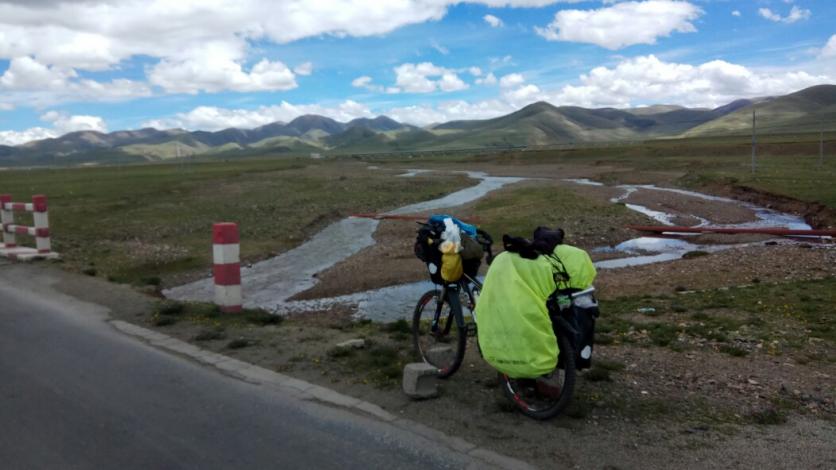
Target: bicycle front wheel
[438, 335]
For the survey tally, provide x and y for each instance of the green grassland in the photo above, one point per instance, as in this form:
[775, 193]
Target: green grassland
[147, 223]
[150, 222]
[787, 164]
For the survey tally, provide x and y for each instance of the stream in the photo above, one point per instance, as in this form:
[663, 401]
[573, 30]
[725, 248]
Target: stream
[270, 283]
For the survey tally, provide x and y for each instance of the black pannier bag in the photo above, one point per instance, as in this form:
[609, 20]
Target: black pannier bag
[426, 248]
[577, 315]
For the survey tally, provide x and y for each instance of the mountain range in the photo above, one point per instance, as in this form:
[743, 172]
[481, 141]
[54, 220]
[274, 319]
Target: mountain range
[538, 124]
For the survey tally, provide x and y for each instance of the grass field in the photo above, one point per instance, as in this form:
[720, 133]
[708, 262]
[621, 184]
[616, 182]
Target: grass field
[147, 223]
[150, 223]
[787, 164]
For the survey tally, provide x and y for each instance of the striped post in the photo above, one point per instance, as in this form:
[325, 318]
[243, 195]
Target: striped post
[226, 250]
[7, 218]
[41, 218]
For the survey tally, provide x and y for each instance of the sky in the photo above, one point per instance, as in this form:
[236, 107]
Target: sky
[110, 65]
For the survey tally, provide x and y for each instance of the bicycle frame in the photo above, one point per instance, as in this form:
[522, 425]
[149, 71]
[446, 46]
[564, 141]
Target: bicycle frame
[450, 293]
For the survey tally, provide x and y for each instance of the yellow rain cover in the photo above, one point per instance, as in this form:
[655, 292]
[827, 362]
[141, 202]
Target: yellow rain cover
[514, 328]
[515, 332]
[578, 265]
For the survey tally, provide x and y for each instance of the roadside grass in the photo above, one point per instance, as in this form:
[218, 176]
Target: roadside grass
[148, 224]
[518, 210]
[791, 316]
[168, 312]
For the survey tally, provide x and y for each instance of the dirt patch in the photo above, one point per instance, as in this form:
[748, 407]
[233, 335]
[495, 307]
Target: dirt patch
[641, 406]
[736, 266]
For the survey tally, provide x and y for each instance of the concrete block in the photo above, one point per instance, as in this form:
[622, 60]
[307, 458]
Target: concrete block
[420, 380]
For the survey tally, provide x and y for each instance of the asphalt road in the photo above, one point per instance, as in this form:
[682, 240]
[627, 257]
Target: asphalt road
[75, 393]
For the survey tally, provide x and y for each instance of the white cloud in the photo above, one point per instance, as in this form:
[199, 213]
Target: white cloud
[451, 82]
[510, 80]
[489, 79]
[217, 67]
[829, 49]
[6, 106]
[623, 24]
[493, 21]
[28, 82]
[62, 123]
[422, 115]
[28, 135]
[475, 71]
[96, 35]
[796, 14]
[213, 118]
[523, 95]
[303, 69]
[420, 78]
[25, 73]
[366, 82]
[736, 13]
[648, 80]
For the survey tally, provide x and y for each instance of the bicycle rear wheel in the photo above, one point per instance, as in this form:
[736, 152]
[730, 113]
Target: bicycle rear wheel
[439, 337]
[544, 397]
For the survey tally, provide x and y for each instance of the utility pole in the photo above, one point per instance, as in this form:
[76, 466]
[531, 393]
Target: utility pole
[821, 149]
[754, 143]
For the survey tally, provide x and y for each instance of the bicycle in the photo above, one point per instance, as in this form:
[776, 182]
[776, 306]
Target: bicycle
[440, 331]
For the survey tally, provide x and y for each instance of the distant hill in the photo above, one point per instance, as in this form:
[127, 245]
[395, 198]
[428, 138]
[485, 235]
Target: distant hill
[808, 110]
[538, 124]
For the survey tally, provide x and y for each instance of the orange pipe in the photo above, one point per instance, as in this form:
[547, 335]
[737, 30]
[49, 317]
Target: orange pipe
[733, 230]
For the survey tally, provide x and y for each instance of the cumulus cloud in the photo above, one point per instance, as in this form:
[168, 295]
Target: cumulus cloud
[649, 80]
[795, 14]
[510, 80]
[61, 123]
[422, 115]
[29, 82]
[213, 118]
[492, 20]
[489, 79]
[426, 78]
[829, 49]
[101, 35]
[212, 73]
[623, 24]
[6, 106]
[475, 71]
[736, 13]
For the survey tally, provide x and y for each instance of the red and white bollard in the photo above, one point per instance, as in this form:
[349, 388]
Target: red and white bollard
[7, 218]
[41, 218]
[226, 250]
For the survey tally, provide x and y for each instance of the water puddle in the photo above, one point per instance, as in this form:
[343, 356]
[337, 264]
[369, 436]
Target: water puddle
[268, 284]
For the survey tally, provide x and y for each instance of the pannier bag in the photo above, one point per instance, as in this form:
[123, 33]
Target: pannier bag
[579, 314]
[465, 257]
